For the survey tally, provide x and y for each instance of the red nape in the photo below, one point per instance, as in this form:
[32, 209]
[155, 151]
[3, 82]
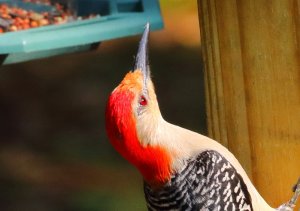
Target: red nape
[153, 162]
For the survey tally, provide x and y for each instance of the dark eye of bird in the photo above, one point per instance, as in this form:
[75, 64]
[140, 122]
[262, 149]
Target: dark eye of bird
[143, 101]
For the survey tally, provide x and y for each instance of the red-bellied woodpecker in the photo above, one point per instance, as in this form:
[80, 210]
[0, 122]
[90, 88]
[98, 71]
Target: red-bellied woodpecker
[182, 170]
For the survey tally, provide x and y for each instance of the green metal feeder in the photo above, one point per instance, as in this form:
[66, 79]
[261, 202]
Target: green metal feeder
[118, 18]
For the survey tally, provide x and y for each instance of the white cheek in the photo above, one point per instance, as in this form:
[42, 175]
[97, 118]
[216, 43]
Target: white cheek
[146, 128]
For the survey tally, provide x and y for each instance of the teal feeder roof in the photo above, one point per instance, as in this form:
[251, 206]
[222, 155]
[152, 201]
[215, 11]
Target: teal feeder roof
[118, 18]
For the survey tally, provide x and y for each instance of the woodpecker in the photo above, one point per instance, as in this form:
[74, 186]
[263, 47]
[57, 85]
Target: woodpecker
[182, 170]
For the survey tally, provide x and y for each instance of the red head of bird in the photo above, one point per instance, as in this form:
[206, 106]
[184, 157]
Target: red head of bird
[133, 120]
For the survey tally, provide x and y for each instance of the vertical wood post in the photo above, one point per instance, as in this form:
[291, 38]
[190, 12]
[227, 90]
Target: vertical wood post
[251, 51]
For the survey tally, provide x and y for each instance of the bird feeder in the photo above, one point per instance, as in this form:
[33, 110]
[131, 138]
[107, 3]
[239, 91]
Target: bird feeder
[89, 22]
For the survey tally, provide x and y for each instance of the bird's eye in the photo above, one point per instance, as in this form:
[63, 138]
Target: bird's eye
[143, 101]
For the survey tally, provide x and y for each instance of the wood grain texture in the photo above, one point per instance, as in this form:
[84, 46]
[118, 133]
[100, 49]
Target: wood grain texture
[251, 50]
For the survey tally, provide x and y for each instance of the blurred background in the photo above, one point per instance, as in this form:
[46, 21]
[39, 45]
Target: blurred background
[54, 153]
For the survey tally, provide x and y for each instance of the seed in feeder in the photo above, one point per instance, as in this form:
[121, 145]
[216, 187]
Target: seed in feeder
[13, 28]
[6, 16]
[3, 8]
[19, 12]
[5, 23]
[15, 19]
[26, 26]
[26, 21]
[43, 22]
[34, 24]
[36, 16]
[58, 20]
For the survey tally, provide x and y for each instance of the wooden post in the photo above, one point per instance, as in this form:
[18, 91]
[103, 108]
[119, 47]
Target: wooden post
[251, 50]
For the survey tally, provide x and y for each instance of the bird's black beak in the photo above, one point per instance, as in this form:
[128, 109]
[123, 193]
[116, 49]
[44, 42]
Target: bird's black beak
[141, 61]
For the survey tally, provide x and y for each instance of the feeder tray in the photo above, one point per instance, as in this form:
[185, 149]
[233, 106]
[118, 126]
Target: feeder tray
[118, 18]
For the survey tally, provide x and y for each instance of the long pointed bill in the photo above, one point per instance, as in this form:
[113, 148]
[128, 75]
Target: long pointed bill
[141, 61]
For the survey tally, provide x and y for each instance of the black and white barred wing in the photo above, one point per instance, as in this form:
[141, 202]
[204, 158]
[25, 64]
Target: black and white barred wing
[207, 183]
[219, 186]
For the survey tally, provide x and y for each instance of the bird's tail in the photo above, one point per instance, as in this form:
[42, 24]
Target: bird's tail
[289, 206]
